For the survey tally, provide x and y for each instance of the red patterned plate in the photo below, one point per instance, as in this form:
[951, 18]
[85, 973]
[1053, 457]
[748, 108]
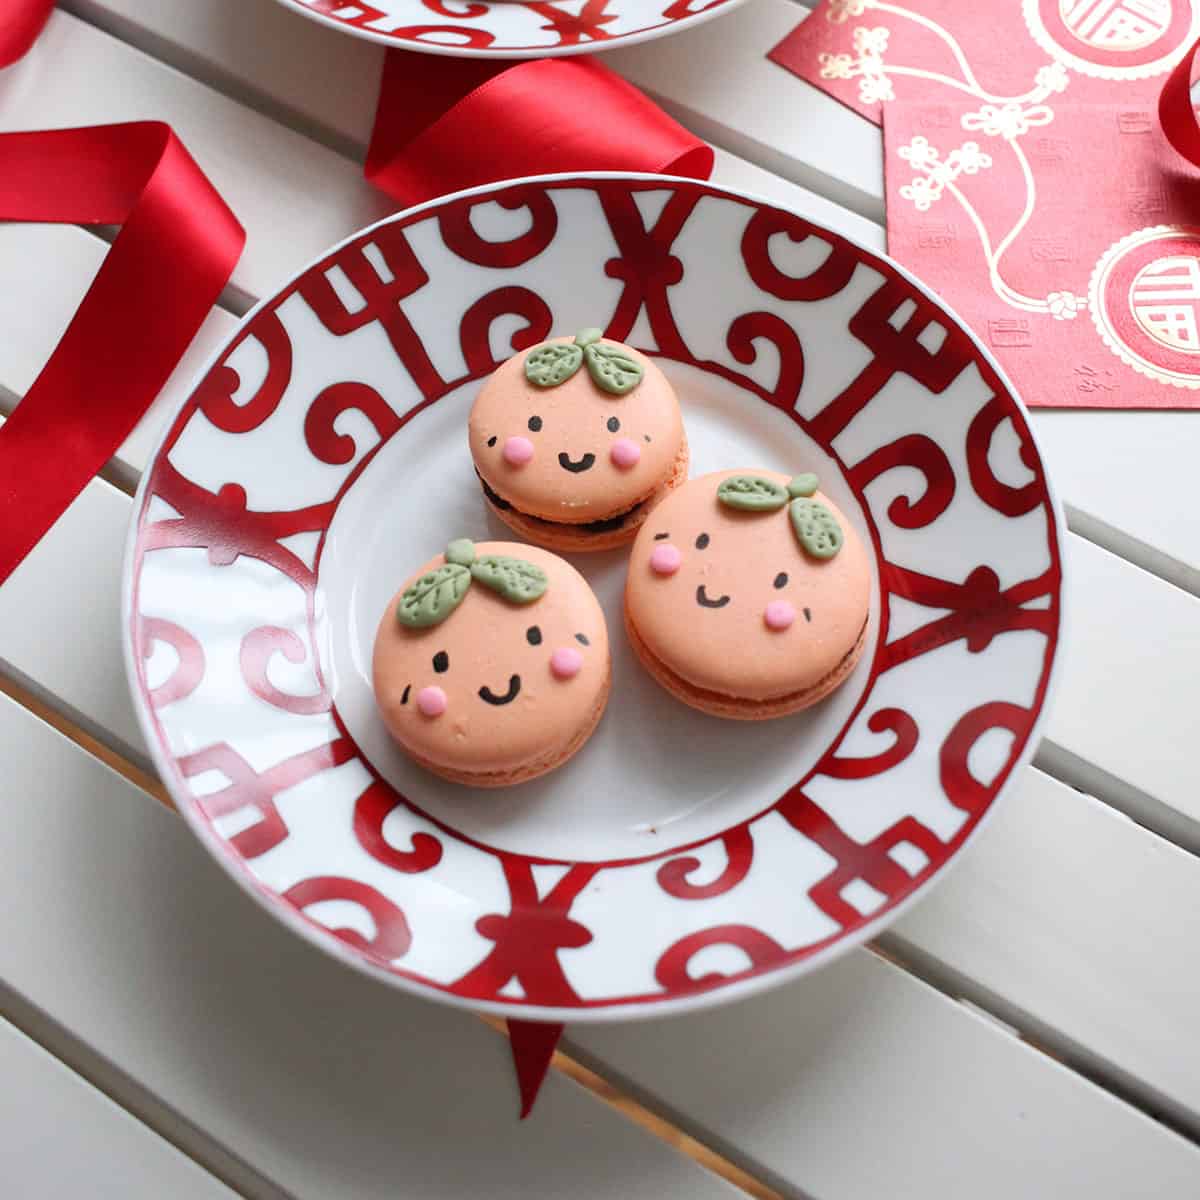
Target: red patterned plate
[678, 860]
[511, 28]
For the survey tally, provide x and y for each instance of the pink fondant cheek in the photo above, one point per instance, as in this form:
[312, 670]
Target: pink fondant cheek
[517, 451]
[665, 559]
[431, 701]
[778, 615]
[626, 453]
[566, 663]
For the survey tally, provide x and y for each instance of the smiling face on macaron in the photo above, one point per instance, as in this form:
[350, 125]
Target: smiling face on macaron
[730, 601]
[572, 451]
[497, 687]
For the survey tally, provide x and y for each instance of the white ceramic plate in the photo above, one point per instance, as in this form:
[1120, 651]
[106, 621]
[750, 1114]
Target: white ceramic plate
[511, 28]
[679, 859]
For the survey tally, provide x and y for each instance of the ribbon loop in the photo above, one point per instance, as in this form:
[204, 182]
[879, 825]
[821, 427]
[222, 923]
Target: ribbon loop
[174, 254]
[439, 129]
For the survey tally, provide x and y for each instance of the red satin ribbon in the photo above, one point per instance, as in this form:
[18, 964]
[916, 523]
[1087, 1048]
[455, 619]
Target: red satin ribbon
[443, 125]
[174, 254]
[1175, 111]
[20, 23]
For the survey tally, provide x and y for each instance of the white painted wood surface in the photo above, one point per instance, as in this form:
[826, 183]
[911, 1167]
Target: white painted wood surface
[61, 1139]
[861, 1074]
[863, 1041]
[255, 1052]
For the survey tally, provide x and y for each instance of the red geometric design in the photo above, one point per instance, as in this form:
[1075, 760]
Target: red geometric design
[522, 949]
[480, 28]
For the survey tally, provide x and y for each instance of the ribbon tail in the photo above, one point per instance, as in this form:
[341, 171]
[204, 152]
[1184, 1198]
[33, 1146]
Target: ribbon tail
[533, 1044]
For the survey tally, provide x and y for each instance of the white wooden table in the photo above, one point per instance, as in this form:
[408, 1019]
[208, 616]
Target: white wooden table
[1030, 1034]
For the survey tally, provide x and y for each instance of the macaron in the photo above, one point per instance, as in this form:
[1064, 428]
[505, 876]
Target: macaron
[575, 440]
[491, 664]
[748, 594]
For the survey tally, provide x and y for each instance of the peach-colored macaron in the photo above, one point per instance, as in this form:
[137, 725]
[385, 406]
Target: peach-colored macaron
[748, 594]
[575, 440]
[491, 665]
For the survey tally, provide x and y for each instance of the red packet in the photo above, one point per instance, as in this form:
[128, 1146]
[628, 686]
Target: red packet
[1068, 249]
[1029, 182]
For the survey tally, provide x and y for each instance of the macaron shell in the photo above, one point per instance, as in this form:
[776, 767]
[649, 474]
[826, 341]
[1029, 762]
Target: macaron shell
[574, 421]
[486, 643]
[729, 651]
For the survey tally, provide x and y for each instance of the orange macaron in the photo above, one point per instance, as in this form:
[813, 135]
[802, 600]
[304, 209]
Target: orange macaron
[491, 665]
[748, 594]
[575, 440]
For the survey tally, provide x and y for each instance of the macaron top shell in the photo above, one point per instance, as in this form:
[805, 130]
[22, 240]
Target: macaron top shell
[594, 454]
[507, 698]
[736, 605]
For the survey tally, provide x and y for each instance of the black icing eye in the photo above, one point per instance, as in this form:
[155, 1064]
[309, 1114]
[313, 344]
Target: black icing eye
[441, 662]
[613, 424]
[535, 424]
[492, 440]
[702, 542]
[407, 689]
[658, 537]
[781, 579]
[533, 635]
[582, 640]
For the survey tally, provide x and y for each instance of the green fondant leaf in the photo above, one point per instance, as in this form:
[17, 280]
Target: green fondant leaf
[802, 485]
[752, 492]
[612, 370]
[817, 528]
[548, 366]
[461, 551]
[434, 596]
[515, 579]
[585, 337]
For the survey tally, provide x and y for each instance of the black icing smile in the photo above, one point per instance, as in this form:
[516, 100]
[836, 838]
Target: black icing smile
[514, 688]
[703, 599]
[576, 465]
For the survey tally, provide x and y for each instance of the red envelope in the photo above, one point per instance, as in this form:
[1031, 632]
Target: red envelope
[1028, 180]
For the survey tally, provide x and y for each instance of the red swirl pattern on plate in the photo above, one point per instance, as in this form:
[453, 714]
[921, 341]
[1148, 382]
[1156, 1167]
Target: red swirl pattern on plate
[536, 27]
[522, 954]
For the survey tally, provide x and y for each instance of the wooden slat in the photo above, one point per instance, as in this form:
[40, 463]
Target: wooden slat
[245, 1043]
[1079, 927]
[844, 1086]
[59, 1137]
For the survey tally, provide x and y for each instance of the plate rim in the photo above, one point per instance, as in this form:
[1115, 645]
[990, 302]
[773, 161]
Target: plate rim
[666, 29]
[702, 999]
